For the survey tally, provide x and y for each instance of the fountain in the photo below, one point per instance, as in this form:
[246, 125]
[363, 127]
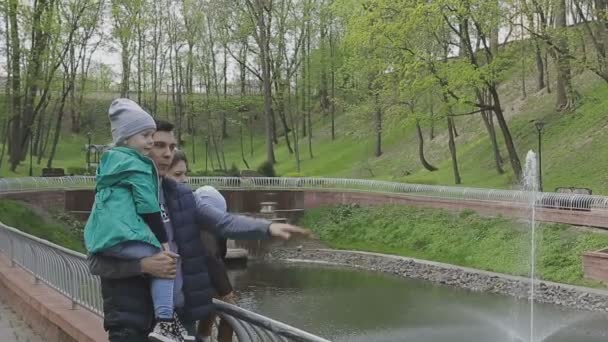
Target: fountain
[530, 183]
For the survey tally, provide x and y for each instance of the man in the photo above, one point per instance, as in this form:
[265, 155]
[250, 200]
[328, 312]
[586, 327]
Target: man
[125, 291]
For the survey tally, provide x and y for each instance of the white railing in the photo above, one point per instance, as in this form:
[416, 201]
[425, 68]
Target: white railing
[547, 199]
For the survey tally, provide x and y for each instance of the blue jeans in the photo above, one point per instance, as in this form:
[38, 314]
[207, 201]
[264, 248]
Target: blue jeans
[162, 289]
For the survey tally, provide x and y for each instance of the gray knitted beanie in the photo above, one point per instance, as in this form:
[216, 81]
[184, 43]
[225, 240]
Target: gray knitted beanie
[127, 118]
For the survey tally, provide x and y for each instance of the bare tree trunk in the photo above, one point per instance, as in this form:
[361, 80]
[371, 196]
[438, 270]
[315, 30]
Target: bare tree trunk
[452, 146]
[40, 40]
[251, 136]
[40, 127]
[502, 123]
[323, 92]
[66, 85]
[73, 113]
[378, 125]
[126, 68]
[303, 116]
[48, 125]
[548, 81]
[423, 160]
[242, 144]
[264, 45]
[454, 128]
[179, 97]
[565, 93]
[333, 81]
[308, 90]
[540, 68]
[5, 134]
[215, 144]
[225, 74]
[432, 131]
[281, 108]
[488, 121]
[275, 138]
[140, 42]
[15, 62]
[294, 123]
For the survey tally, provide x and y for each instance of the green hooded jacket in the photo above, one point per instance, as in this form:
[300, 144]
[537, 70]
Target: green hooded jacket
[127, 185]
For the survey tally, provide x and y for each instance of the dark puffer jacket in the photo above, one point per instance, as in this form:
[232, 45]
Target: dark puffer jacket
[127, 301]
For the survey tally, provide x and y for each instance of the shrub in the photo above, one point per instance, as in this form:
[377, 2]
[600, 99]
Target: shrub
[267, 169]
[80, 171]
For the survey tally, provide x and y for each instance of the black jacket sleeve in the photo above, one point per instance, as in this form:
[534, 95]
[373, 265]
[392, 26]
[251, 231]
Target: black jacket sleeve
[155, 222]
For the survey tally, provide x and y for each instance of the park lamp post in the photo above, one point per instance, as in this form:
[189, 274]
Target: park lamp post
[89, 152]
[539, 128]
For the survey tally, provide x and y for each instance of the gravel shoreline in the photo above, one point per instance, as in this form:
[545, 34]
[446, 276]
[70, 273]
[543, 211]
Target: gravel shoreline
[575, 297]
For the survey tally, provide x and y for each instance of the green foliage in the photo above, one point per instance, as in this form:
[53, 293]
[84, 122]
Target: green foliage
[465, 239]
[69, 222]
[267, 169]
[234, 171]
[24, 218]
[79, 171]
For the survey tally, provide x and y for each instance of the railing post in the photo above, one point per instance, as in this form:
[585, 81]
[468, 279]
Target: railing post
[74, 282]
[12, 249]
[34, 265]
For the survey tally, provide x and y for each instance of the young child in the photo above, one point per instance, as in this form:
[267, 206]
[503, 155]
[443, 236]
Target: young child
[126, 220]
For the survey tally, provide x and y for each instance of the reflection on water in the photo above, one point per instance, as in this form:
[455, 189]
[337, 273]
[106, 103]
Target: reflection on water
[347, 305]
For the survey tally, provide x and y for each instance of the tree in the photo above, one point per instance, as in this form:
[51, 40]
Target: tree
[125, 14]
[260, 13]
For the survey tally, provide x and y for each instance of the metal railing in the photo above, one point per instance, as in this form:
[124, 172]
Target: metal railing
[60, 268]
[67, 272]
[546, 199]
[249, 326]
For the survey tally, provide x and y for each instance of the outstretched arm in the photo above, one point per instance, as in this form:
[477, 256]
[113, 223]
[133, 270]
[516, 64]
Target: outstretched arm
[241, 227]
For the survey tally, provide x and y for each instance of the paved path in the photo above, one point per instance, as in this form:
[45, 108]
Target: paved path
[13, 329]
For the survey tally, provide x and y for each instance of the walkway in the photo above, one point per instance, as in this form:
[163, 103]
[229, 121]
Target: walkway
[13, 329]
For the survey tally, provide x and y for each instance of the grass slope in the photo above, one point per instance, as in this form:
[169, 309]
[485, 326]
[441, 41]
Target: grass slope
[573, 144]
[24, 218]
[465, 239]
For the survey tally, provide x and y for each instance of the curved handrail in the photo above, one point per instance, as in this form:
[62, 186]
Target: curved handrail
[67, 272]
[546, 199]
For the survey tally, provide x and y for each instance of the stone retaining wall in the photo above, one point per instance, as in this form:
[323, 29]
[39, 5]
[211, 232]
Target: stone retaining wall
[575, 297]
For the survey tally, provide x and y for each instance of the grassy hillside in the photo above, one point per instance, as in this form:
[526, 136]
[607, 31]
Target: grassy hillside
[573, 145]
[466, 239]
[38, 223]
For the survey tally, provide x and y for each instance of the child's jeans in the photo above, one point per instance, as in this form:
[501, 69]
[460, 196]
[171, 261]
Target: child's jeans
[162, 289]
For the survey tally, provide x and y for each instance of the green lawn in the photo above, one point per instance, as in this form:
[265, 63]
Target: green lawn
[465, 239]
[20, 216]
[573, 144]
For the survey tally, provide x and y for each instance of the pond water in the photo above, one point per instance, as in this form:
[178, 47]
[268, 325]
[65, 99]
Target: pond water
[344, 304]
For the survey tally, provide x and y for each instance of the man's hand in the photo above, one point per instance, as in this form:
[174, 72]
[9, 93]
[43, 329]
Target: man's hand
[160, 265]
[285, 231]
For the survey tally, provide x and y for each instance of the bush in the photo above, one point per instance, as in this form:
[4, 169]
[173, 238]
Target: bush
[80, 171]
[209, 173]
[267, 169]
[234, 171]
